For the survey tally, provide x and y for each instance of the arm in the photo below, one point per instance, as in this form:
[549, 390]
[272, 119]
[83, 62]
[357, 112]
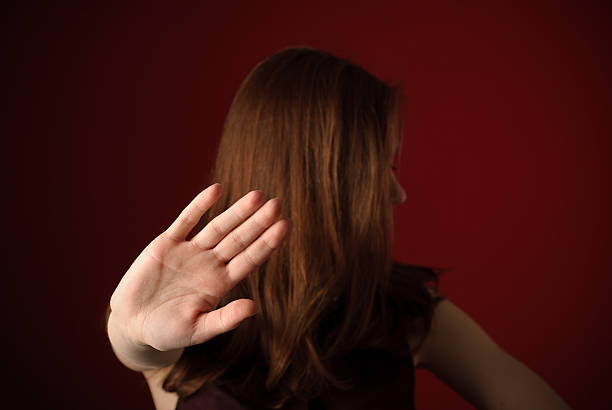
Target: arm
[162, 399]
[464, 357]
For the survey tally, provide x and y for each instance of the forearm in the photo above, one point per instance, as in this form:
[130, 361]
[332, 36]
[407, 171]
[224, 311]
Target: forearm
[524, 389]
[138, 357]
[461, 354]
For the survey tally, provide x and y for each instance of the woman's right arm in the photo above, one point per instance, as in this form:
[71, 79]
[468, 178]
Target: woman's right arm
[167, 300]
[462, 355]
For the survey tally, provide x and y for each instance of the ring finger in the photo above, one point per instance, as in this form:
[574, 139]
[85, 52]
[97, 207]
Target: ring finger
[243, 235]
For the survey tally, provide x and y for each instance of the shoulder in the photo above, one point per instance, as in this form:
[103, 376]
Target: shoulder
[417, 339]
[463, 356]
[451, 325]
[460, 353]
[163, 400]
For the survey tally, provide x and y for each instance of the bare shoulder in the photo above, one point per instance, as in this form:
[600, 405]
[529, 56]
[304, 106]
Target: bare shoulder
[163, 400]
[463, 356]
[451, 327]
[418, 341]
[450, 324]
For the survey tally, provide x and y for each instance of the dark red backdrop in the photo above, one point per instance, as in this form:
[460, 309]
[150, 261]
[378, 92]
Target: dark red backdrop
[115, 111]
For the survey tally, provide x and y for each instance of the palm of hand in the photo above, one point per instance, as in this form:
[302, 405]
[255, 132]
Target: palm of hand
[169, 295]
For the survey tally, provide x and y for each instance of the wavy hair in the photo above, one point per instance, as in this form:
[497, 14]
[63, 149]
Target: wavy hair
[317, 131]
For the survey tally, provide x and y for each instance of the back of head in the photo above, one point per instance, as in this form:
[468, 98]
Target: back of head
[318, 132]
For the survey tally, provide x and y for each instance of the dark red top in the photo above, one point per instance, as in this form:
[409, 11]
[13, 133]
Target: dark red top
[385, 380]
[383, 374]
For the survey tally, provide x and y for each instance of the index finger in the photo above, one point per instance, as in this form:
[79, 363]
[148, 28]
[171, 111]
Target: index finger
[191, 215]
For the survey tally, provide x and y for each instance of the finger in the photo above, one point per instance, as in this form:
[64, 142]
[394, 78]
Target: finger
[223, 319]
[241, 237]
[191, 215]
[253, 256]
[222, 224]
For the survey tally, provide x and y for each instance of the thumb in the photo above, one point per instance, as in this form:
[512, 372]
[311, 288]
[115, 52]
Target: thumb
[223, 319]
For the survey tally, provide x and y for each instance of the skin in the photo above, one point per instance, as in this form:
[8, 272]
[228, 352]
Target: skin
[179, 282]
[167, 300]
[226, 247]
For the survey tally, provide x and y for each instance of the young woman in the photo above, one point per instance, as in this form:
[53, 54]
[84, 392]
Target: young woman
[228, 309]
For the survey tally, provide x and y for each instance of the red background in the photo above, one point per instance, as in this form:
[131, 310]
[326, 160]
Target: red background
[114, 112]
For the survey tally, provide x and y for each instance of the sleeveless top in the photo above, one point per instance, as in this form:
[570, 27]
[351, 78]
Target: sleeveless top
[383, 375]
[384, 380]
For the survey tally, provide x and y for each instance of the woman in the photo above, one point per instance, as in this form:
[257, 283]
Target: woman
[227, 309]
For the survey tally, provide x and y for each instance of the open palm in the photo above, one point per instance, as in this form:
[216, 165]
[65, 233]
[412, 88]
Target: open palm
[168, 297]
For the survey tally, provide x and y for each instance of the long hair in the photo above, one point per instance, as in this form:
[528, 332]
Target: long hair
[316, 131]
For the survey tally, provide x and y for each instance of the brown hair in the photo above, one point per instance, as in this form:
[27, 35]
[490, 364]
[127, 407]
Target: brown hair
[316, 131]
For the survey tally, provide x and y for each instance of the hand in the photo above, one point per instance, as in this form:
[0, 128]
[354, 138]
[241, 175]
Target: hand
[167, 299]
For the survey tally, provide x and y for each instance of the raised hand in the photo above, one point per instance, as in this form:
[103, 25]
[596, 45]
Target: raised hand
[167, 299]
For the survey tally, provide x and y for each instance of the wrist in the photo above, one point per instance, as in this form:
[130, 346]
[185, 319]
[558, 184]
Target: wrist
[135, 354]
[119, 334]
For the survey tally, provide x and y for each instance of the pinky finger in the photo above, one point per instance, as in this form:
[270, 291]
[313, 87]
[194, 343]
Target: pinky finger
[191, 215]
[222, 320]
